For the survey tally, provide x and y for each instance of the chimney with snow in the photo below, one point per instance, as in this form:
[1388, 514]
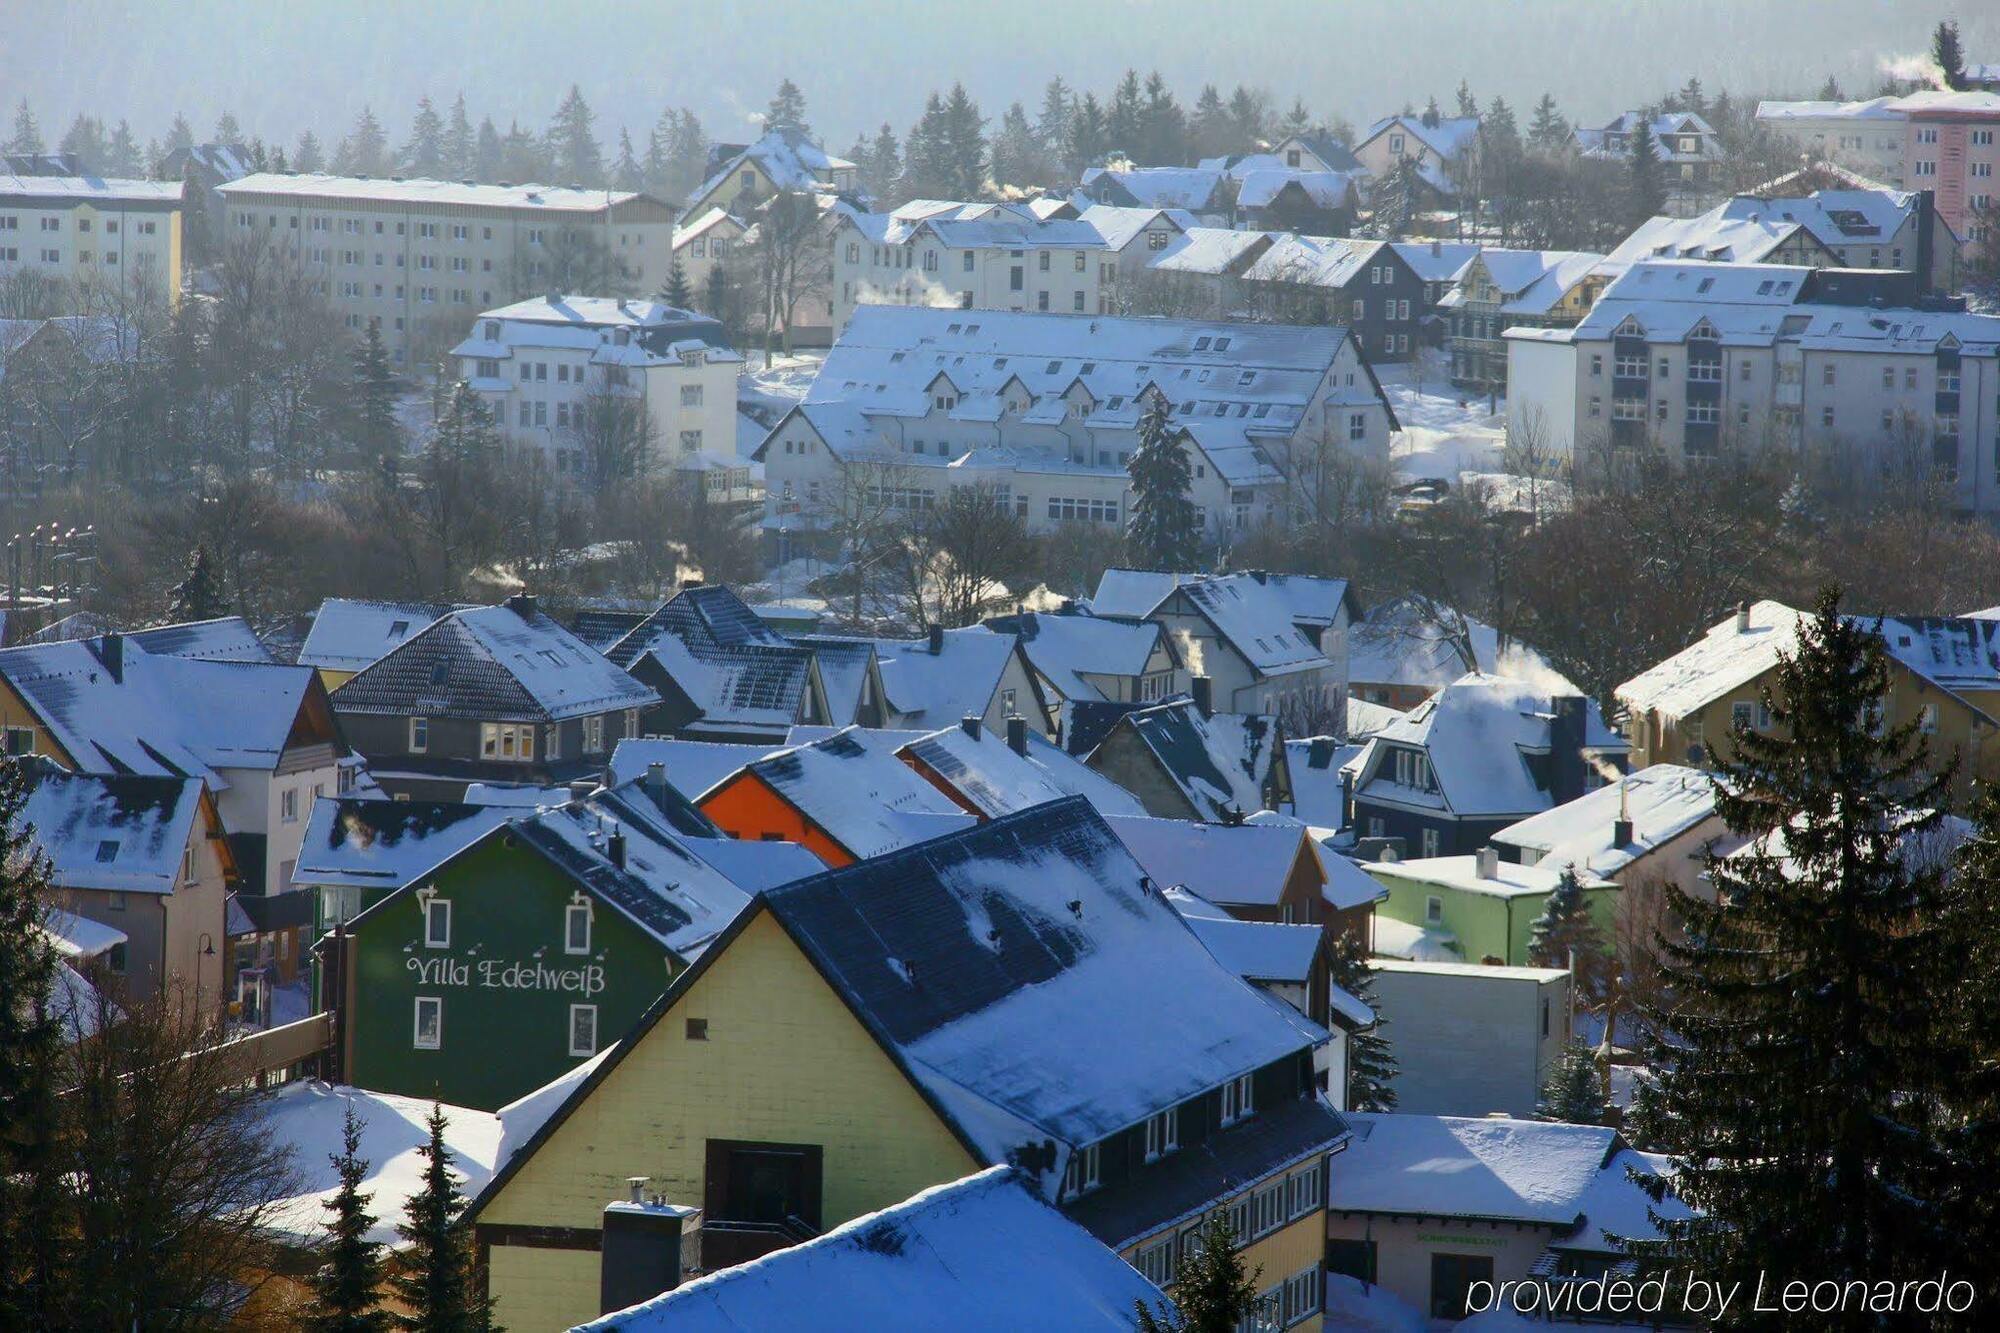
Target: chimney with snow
[647, 1247]
[1202, 689]
[969, 724]
[937, 640]
[1486, 861]
[1743, 617]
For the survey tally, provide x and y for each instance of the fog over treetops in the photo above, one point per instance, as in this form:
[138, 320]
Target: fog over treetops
[283, 66]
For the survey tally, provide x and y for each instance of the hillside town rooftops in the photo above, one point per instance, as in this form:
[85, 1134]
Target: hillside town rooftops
[349, 633]
[850, 791]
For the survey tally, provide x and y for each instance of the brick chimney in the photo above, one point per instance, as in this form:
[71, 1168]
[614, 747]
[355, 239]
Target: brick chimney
[937, 640]
[1017, 735]
[1566, 738]
[523, 605]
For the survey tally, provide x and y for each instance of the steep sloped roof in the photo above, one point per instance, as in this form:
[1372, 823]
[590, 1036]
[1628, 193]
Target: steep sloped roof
[349, 634]
[694, 767]
[988, 775]
[952, 1252]
[1260, 615]
[1243, 863]
[851, 791]
[1222, 763]
[117, 832]
[844, 665]
[1066, 649]
[959, 680]
[367, 843]
[1663, 802]
[224, 639]
[1722, 660]
[970, 956]
[494, 663]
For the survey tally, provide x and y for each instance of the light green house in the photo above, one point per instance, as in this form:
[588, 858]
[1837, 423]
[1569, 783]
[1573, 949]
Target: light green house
[1483, 904]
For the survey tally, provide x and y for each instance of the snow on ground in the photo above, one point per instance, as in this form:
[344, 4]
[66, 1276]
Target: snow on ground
[1445, 431]
[1354, 1306]
[770, 390]
[292, 1001]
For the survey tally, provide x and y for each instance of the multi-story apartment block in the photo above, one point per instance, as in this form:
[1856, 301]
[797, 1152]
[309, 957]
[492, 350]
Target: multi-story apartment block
[1944, 142]
[424, 256]
[1686, 358]
[108, 243]
[1045, 410]
[1892, 229]
[1503, 289]
[553, 369]
[933, 252]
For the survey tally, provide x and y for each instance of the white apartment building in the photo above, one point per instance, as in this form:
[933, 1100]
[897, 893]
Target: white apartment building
[1944, 142]
[424, 256]
[109, 242]
[1688, 358]
[934, 252]
[543, 364]
[1045, 409]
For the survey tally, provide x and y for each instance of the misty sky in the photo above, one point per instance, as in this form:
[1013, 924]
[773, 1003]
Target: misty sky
[284, 65]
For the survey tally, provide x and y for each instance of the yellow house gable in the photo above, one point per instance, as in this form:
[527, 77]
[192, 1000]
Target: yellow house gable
[16, 715]
[779, 1059]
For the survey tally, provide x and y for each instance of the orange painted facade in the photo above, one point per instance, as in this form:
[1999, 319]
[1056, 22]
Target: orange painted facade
[746, 807]
[930, 775]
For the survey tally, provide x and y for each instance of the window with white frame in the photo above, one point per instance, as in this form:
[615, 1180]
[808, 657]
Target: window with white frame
[1433, 909]
[1163, 1133]
[437, 923]
[1081, 1176]
[288, 805]
[593, 734]
[507, 741]
[576, 927]
[1302, 1295]
[583, 1029]
[1237, 1100]
[420, 735]
[1267, 1209]
[428, 1029]
[1305, 1191]
[1156, 1261]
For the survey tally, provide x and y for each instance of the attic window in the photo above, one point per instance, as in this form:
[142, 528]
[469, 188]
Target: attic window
[398, 628]
[1117, 401]
[972, 328]
[1704, 284]
[1201, 344]
[1088, 367]
[107, 851]
[999, 363]
[553, 657]
[895, 357]
[1054, 366]
[1222, 344]
[439, 672]
[953, 329]
[1263, 410]
[1246, 378]
[1764, 287]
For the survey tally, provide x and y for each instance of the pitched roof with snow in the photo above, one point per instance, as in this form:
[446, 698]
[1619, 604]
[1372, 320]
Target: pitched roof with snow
[309, 1117]
[172, 716]
[1224, 763]
[1401, 643]
[1663, 802]
[787, 157]
[951, 1252]
[1314, 261]
[1485, 737]
[988, 775]
[970, 955]
[1067, 650]
[224, 639]
[1120, 225]
[1314, 765]
[375, 844]
[614, 331]
[1437, 261]
[851, 792]
[1571, 1179]
[349, 634]
[1959, 653]
[1191, 188]
[64, 191]
[419, 191]
[960, 680]
[1241, 863]
[1530, 282]
[493, 663]
[118, 832]
[1265, 617]
[844, 668]
[1721, 661]
[1133, 594]
[1449, 137]
[694, 767]
[1508, 879]
[738, 671]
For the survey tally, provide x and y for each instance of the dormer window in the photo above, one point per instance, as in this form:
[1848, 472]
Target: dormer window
[1238, 1100]
[576, 927]
[1081, 1176]
[1163, 1133]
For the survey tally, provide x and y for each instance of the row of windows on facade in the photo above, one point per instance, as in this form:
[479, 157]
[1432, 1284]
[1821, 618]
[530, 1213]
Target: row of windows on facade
[1163, 1136]
[578, 916]
[349, 290]
[516, 740]
[428, 231]
[1706, 370]
[12, 255]
[1746, 715]
[703, 246]
[427, 1028]
[899, 258]
[1257, 1214]
[145, 227]
[1944, 425]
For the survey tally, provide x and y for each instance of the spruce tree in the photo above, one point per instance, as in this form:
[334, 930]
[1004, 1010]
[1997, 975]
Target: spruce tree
[885, 162]
[1163, 527]
[345, 1286]
[787, 110]
[30, 1040]
[27, 132]
[375, 428]
[228, 130]
[677, 292]
[1052, 124]
[1212, 1293]
[1468, 106]
[1648, 196]
[308, 155]
[572, 148]
[1811, 1054]
[198, 596]
[180, 134]
[962, 150]
[459, 144]
[625, 171]
[423, 155]
[1574, 1090]
[1371, 1064]
[1548, 129]
[122, 153]
[437, 1283]
[1949, 56]
[365, 150]
[1564, 933]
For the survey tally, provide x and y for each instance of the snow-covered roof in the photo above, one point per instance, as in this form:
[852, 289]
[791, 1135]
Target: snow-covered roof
[308, 1117]
[787, 157]
[694, 767]
[1721, 661]
[1663, 802]
[1191, 188]
[959, 680]
[1669, 129]
[987, 774]
[1874, 108]
[1462, 872]
[738, 672]
[1960, 653]
[1067, 650]
[1210, 251]
[374, 844]
[419, 191]
[113, 831]
[1241, 863]
[851, 791]
[1450, 136]
[1481, 734]
[1437, 261]
[349, 634]
[493, 663]
[844, 667]
[1222, 763]
[155, 714]
[701, 226]
[613, 330]
[1427, 945]
[1746, 229]
[1400, 643]
[1132, 594]
[1527, 1171]
[95, 190]
[1266, 617]
[950, 1256]
[1530, 282]
[975, 226]
[1268, 951]
[78, 937]
[1314, 261]
[223, 639]
[971, 955]
[1259, 187]
[1235, 384]
[1314, 765]
[1120, 225]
